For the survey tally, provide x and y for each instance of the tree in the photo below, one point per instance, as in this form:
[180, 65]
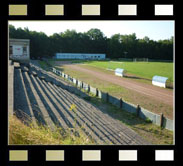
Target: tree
[94, 41]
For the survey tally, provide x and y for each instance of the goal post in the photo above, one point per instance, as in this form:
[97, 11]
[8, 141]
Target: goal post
[140, 59]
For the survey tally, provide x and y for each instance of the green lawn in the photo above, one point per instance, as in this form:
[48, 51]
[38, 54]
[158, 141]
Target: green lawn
[142, 69]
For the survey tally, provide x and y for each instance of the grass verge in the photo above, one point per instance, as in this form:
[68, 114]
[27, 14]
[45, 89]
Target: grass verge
[43, 64]
[21, 134]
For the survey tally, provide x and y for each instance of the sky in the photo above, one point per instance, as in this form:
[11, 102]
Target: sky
[155, 30]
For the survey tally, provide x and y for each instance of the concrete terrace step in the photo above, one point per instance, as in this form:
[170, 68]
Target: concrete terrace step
[22, 104]
[56, 117]
[41, 112]
[71, 115]
[104, 122]
[79, 117]
[87, 115]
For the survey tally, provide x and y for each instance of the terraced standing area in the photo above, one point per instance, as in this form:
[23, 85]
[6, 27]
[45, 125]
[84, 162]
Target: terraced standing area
[47, 101]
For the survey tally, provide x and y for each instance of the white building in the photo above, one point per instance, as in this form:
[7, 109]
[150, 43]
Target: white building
[79, 56]
[19, 49]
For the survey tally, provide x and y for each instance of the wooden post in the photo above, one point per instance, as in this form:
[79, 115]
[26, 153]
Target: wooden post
[161, 119]
[88, 88]
[138, 110]
[121, 102]
[82, 84]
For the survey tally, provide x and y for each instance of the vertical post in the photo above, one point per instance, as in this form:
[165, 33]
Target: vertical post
[82, 84]
[121, 102]
[76, 82]
[88, 88]
[107, 97]
[97, 92]
[138, 110]
[28, 66]
[161, 119]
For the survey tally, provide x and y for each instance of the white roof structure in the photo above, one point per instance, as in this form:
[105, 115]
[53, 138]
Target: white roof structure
[159, 81]
[119, 72]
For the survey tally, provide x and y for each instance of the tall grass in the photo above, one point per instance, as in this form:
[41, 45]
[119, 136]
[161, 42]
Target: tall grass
[22, 134]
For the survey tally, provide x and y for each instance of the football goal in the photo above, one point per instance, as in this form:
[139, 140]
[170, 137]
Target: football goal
[140, 59]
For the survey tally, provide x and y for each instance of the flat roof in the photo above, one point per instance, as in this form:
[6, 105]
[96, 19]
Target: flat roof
[27, 40]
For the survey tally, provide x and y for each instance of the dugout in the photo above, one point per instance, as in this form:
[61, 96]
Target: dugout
[159, 81]
[119, 72]
[19, 50]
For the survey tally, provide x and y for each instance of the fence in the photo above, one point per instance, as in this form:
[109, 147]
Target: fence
[139, 111]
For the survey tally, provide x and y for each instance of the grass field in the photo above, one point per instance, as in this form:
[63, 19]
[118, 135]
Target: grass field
[142, 69]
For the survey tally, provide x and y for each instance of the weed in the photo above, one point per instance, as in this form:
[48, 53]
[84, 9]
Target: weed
[147, 120]
[22, 134]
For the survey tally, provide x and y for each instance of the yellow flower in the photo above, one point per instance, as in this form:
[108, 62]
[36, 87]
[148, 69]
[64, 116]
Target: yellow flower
[73, 107]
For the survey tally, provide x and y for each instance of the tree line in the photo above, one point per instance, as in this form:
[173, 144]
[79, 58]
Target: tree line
[94, 41]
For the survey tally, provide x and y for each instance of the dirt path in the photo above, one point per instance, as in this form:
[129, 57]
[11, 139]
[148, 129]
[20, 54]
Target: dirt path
[157, 93]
